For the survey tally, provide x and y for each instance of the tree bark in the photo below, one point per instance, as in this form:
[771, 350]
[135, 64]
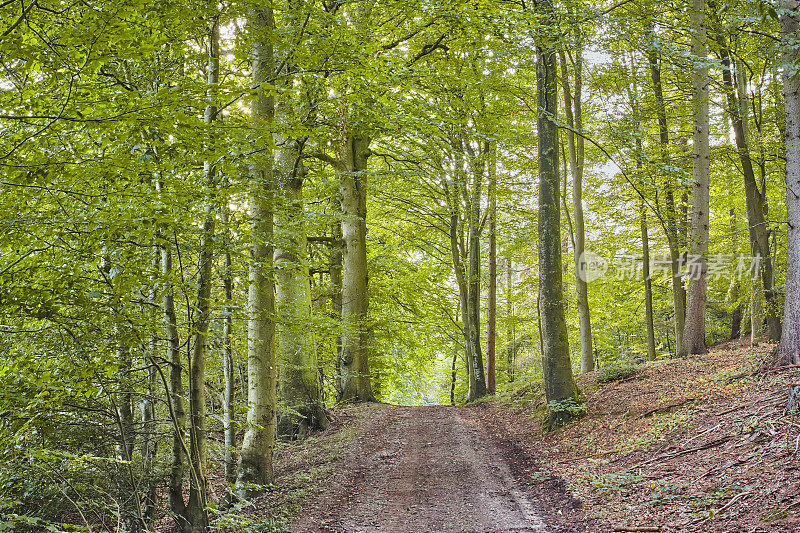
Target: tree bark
[694, 341]
[573, 109]
[755, 198]
[335, 267]
[732, 297]
[789, 347]
[176, 391]
[458, 256]
[559, 382]
[355, 374]
[228, 428]
[127, 493]
[198, 482]
[465, 230]
[491, 304]
[510, 321]
[478, 388]
[149, 437]
[648, 286]
[255, 465]
[453, 376]
[299, 383]
[671, 229]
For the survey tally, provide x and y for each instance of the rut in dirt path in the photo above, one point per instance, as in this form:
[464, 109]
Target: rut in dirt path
[425, 469]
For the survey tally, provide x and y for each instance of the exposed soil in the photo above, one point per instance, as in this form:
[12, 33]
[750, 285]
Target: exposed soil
[700, 444]
[421, 469]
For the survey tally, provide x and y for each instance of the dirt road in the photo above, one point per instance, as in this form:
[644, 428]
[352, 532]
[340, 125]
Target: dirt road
[424, 469]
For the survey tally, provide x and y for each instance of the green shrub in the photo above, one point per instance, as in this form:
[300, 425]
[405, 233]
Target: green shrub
[606, 484]
[616, 372]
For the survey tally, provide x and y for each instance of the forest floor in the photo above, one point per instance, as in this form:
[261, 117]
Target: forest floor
[692, 445]
[426, 469]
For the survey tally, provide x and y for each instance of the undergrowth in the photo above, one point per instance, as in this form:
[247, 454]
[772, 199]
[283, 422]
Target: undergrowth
[616, 372]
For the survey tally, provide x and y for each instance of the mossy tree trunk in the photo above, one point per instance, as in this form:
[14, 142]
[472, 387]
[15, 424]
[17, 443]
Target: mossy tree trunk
[255, 464]
[561, 392]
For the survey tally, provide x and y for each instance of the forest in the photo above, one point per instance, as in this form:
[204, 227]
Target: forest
[228, 224]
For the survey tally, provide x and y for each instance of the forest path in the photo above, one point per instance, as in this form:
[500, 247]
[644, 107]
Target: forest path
[423, 469]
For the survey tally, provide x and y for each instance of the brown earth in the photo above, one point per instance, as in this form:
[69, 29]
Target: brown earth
[432, 469]
[700, 444]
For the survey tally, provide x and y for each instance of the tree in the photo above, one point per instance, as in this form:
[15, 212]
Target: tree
[671, 213]
[352, 170]
[255, 467]
[463, 193]
[491, 305]
[229, 377]
[196, 511]
[559, 383]
[694, 333]
[738, 111]
[789, 347]
[299, 384]
[575, 143]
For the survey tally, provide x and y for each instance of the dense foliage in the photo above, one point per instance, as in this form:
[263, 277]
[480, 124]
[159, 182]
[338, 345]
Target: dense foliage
[111, 161]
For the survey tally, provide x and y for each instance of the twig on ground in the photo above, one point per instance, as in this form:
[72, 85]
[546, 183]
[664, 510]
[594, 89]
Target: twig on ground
[668, 407]
[712, 444]
[700, 435]
[598, 454]
[723, 508]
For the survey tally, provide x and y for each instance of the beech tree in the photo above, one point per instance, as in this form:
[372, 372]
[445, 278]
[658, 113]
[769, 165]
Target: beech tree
[216, 220]
[694, 333]
[258, 446]
[789, 347]
[559, 383]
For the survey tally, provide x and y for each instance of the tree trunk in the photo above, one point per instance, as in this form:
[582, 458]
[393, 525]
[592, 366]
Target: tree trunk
[356, 382]
[466, 263]
[299, 381]
[633, 96]
[694, 341]
[228, 428]
[465, 230]
[491, 304]
[127, 493]
[510, 321]
[648, 287]
[149, 437]
[453, 376]
[754, 197]
[255, 465]
[559, 383]
[789, 347]
[478, 382]
[458, 256]
[732, 298]
[573, 109]
[335, 267]
[177, 410]
[198, 482]
[671, 229]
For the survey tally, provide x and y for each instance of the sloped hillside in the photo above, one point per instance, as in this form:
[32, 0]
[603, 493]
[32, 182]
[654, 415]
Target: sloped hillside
[697, 444]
